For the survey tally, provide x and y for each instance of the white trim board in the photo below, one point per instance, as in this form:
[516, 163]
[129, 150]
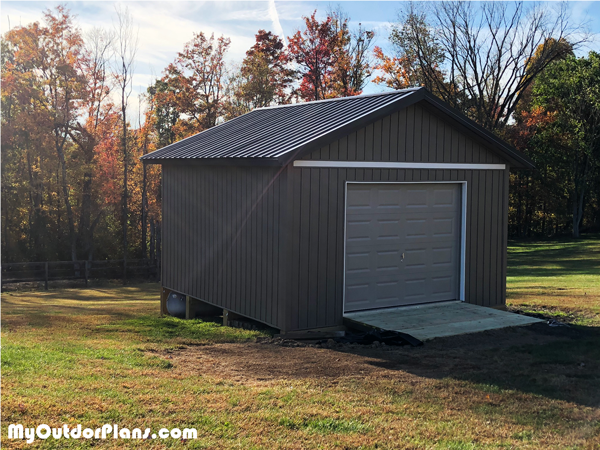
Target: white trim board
[395, 165]
[463, 231]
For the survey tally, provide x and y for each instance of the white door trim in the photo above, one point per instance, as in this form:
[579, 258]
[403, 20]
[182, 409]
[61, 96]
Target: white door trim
[396, 165]
[463, 228]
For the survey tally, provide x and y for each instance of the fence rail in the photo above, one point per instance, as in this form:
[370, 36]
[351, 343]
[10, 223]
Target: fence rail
[78, 270]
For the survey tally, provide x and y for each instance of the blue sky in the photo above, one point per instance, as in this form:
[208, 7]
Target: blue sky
[164, 27]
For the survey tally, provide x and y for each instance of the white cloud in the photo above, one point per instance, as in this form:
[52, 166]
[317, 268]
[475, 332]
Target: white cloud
[278, 30]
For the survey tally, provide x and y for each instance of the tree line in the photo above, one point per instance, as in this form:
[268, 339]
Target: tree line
[73, 187]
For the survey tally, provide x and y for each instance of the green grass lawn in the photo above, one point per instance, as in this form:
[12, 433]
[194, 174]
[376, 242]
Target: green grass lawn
[557, 279]
[105, 356]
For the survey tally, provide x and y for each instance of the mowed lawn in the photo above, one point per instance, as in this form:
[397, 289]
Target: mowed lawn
[558, 279]
[104, 355]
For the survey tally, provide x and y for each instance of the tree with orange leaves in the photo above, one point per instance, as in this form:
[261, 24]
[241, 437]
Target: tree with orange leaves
[63, 167]
[334, 61]
[195, 84]
[265, 72]
[396, 72]
[49, 58]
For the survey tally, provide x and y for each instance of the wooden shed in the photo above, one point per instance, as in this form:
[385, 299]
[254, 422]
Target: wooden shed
[296, 215]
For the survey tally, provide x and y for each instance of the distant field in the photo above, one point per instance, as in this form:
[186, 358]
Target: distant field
[557, 279]
[105, 356]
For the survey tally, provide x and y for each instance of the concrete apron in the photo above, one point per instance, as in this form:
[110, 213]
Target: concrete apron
[432, 320]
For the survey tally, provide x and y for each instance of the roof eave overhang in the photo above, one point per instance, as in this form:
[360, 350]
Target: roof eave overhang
[250, 162]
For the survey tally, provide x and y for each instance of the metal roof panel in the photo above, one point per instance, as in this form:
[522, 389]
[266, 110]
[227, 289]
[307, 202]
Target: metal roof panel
[277, 134]
[274, 131]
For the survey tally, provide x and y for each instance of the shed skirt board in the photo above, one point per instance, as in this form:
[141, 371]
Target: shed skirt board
[403, 244]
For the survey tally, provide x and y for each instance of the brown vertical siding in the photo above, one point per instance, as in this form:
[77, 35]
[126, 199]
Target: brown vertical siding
[222, 240]
[413, 135]
[268, 243]
[321, 257]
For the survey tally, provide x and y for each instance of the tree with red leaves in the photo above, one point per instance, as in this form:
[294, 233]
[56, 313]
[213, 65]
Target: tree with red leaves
[334, 61]
[313, 50]
[266, 75]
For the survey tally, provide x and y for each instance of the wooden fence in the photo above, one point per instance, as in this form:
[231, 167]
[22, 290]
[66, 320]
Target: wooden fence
[78, 270]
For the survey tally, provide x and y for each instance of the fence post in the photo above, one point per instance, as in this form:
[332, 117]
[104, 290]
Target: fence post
[152, 239]
[46, 275]
[85, 273]
[158, 251]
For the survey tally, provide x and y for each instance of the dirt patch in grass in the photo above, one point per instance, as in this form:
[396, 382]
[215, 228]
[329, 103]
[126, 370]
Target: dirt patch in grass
[260, 362]
[104, 356]
[561, 363]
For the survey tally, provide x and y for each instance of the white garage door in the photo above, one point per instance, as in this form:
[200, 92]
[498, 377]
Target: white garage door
[402, 244]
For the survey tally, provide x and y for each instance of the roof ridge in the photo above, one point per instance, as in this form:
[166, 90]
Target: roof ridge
[337, 99]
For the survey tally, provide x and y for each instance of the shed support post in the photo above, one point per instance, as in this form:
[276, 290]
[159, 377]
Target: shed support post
[229, 316]
[85, 272]
[46, 275]
[187, 307]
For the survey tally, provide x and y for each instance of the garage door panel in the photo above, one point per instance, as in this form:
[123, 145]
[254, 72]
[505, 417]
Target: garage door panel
[416, 198]
[394, 230]
[442, 285]
[358, 261]
[366, 293]
[390, 198]
[359, 295]
[445, 198]
[358, 230]
[387, 200]
[381, 272]
[416, 258]
[405, 247]
[444, 226]
[387, 291]
[375, 294]
[387, 260]
[360, 200]
[388, 228]
[442, 257]
[415, 227]
[415, 289]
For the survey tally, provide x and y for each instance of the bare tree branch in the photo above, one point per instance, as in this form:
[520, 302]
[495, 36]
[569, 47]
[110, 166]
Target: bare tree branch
[480, 59]
[125, 48]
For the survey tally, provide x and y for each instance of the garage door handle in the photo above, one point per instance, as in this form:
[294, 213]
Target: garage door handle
[402, 257]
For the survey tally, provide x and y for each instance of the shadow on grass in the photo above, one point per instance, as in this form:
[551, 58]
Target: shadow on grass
[47, 318]
[124, 302]
[561, 363]
[555, 258]
[143, 292]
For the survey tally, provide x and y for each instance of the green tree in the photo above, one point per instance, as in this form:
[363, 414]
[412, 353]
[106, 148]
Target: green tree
[538, 199]
[570, 91]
